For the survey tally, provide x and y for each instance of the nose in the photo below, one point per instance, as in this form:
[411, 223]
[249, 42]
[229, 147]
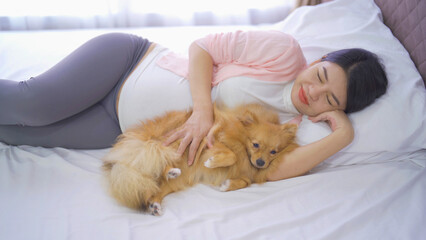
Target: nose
[260, 162]
[316, 91]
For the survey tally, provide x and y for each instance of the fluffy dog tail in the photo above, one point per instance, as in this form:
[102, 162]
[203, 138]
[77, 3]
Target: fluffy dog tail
[134, 170]
[130, 187]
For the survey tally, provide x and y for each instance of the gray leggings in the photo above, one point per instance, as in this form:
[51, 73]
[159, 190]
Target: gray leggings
[72, 104]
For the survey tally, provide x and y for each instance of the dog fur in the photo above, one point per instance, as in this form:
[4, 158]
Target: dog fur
[248, 143]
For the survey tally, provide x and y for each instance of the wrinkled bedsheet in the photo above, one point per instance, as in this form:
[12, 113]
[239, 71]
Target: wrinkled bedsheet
[61, 194]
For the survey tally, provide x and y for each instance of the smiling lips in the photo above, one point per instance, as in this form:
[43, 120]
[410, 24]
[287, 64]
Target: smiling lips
[302, 96]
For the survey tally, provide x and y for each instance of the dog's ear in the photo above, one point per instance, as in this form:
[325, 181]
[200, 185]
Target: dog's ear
[290, 128]
[248, 118]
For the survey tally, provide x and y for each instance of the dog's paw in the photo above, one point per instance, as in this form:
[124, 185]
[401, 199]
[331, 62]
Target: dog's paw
[209, 162]
[225, 185]
[173, 173]
[155, 209]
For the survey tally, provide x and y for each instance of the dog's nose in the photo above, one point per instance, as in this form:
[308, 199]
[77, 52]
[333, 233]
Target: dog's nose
[260, 162]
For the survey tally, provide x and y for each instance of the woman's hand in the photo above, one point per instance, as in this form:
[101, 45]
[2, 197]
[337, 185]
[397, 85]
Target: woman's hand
[192, 133]
[304, 158]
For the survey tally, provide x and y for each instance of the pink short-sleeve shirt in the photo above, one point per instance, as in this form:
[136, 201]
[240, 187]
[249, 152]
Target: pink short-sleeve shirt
[264, 55]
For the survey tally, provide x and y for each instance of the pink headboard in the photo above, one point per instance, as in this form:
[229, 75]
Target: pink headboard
[407, 20]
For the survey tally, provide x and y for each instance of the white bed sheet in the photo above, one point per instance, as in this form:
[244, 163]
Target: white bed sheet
[60, 193]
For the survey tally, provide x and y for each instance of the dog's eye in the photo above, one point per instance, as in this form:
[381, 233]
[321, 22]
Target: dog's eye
[256, 145]
[273, 152]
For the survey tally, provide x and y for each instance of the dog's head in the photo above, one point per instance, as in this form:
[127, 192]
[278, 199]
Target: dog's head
[266, 141]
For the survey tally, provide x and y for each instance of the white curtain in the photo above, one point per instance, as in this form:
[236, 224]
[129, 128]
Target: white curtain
[66, 14]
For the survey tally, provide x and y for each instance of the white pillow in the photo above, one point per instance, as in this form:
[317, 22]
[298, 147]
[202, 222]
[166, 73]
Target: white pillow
[396, 121]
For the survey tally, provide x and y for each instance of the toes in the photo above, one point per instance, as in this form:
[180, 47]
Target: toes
[155, 209]
[225, 185]
[174, 173]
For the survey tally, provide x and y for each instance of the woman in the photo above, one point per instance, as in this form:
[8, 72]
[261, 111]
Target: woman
[115, 80]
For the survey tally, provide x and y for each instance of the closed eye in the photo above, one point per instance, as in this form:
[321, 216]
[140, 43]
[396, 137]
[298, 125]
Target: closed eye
[332, 94]
[329, 102]
[319, 78]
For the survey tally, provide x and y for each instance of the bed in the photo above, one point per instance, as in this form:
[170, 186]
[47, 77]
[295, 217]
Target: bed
[373, 189]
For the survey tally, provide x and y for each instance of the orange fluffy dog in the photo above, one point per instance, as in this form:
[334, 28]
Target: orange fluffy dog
[142, 171]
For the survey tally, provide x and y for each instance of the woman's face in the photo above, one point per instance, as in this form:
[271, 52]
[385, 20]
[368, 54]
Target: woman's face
[320, 88]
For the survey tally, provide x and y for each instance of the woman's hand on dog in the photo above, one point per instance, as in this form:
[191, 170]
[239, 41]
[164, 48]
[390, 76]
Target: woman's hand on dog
[192, 133]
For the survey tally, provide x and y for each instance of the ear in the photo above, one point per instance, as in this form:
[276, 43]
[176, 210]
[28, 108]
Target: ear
[290, 128]
[248, 118]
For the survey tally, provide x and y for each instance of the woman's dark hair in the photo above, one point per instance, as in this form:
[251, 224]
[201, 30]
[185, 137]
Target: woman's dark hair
[366, 76]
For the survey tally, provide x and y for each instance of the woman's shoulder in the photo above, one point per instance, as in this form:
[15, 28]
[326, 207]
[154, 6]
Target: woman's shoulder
[270, 34]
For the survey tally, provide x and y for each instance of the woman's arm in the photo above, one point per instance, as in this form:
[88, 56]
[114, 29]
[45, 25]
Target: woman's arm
[304, 158]
[201, 120]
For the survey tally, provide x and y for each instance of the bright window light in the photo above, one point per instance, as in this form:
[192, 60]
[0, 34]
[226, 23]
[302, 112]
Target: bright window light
[104, 7]
[176, 7]
[56, 7]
